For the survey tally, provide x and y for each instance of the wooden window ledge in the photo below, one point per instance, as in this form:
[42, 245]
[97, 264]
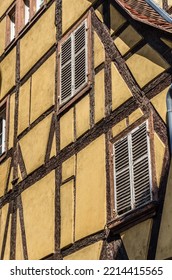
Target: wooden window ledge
[132, 218]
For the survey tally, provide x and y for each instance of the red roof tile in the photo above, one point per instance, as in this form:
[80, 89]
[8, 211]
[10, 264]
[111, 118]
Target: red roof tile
[140, 10]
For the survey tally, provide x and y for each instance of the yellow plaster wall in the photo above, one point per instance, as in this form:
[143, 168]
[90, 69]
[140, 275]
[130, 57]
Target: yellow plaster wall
[167, 42]
[99, 53]
[71, 11]
[19, 243]
[37, 40]
[34, 144]
[91, 252]
[127, 39]
[67, 214]
[136, 240]
[24, 107]
[91, 189]
[67, 129]
[68, 168]
[170, 3]
[3, 218]
[38, 210]
[2, 35]
[119, 127]
[99, 96]
[4, 171]
[135, 116]
[159, 2]
[4, 4]
[99, 12]
[8, 73]
[82, 116]
[43, 85]
[11, 121]
[117, 20]
[164, 246]
[120, 90]
[159, 156]
[159, 102]
[19, 175]
[7, 246]
[146, 64]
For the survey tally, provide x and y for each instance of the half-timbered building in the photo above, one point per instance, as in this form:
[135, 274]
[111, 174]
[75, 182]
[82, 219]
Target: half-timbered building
[84, 129]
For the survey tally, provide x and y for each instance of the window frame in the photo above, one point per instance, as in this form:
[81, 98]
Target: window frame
[33, 7]
[4, 105]
[84, 88]
[40, 5]
[115, 219]
[130, 168]
[28, 11]
[10, 12]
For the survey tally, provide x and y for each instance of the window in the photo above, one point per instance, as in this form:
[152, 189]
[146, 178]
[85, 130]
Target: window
[132, 170]
[2, 130]
[26, 11]
[12, 24]
[39, 4]
[74, 62]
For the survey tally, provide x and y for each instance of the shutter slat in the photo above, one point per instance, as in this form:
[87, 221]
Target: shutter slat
[122, 179]
[121, 155]
[141, 187]
[122, 186]
[66, 82]
[66, 51]
[80, 38]
[80, 69]
[122, 165]
[142, 201]
[122, 210]
[119, 144]
[140, 174]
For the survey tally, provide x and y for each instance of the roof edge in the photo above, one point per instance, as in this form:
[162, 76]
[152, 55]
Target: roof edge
[161, 12]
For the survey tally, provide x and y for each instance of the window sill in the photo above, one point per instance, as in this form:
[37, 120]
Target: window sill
[132, 218]
[69, 103]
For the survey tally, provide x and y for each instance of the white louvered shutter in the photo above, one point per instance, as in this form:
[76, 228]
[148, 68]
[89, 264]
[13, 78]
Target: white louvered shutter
[80, 60]
[122, 177]
[74, 63]
[66, 70]
[142, 181]
[132, 170]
